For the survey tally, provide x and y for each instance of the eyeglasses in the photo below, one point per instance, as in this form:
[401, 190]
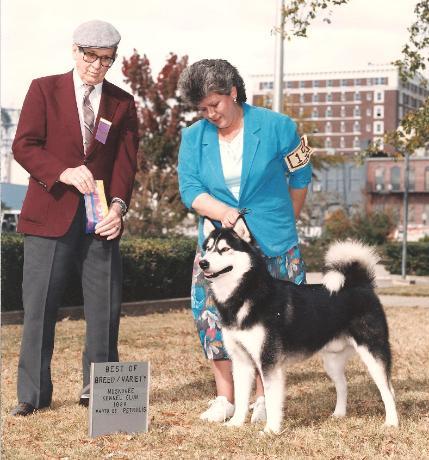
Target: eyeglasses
[90, 57]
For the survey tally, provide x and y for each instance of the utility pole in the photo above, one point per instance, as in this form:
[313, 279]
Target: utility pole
[278, 59]
[405, 215]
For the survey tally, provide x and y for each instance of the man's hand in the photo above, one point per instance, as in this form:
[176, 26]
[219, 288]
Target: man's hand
[80, 177]
[110, 226]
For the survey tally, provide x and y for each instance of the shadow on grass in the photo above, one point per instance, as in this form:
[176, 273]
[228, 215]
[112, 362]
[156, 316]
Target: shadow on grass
[194, 390]
[316, 406]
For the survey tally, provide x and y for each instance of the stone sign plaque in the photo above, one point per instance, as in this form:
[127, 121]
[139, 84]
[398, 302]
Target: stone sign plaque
[119, 398]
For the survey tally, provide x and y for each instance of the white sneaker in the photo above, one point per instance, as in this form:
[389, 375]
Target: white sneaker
[259, 413]
[220, 409]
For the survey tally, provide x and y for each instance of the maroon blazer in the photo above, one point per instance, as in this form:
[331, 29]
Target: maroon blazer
[48, 140]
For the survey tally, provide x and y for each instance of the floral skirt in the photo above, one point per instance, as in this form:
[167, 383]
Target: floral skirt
[288, 266]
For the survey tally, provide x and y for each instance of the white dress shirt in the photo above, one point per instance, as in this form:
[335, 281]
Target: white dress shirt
[231, 155]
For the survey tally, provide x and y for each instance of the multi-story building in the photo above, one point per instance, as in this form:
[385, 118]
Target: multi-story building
[11, 171]
[344, 110]
[385, 190]
[14, 179]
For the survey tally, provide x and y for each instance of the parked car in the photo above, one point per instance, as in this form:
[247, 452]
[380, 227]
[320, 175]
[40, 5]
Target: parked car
[9, 220]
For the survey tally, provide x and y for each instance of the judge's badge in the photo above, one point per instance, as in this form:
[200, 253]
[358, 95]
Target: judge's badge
[299, 157]
[103, 130]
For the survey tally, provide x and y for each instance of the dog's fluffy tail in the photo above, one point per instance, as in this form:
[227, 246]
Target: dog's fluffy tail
[348, 264]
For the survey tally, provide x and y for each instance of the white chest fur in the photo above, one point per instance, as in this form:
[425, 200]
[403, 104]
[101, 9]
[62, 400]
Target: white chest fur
[252, 340]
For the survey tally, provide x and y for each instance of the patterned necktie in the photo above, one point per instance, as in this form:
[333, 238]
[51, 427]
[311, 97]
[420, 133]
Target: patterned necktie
[88, 117]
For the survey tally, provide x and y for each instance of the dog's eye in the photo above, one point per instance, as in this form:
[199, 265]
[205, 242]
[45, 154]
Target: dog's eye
[225, 249]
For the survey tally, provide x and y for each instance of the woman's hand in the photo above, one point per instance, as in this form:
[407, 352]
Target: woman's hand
[229, 218]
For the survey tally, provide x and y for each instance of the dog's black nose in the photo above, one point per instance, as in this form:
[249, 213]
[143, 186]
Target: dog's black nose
[204, 264]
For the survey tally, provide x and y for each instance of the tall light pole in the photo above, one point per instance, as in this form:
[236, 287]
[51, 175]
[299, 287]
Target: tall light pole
[278, 59]
[405, 215]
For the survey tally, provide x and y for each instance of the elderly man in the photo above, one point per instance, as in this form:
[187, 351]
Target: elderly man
[74, 129]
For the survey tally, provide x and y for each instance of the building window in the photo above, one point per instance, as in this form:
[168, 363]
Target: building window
[412, 179]
[328, 143]
[379, 96]
[395, 178]
[369, 96]
[343, 111]
[379, 179]
[302, 84]
[329, 97]
[301, 98]
[301, 112]
[343, 96]
[330, 83]
[425, 215]
[266, 85]
[328, 127]
[342, 142]
[343, 82]
[378, 111]
[357, 96]
[368, 112]
[315, 97]
[315, 113]
[328, 112]
[356, 111]
[343, 126]
[356, 143]
[356, 127]
[378, 127]
[315, 83]
[427, 180]
[368, 127]
[369, 81]
[411, 214]
[357, 82]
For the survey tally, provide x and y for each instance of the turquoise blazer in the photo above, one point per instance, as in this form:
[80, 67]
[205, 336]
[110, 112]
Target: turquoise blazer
[265, 178]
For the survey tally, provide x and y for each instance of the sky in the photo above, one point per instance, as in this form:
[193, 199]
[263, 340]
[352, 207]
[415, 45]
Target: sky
[36, 36]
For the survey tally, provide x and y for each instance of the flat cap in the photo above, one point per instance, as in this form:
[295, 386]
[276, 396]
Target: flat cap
[96, 34]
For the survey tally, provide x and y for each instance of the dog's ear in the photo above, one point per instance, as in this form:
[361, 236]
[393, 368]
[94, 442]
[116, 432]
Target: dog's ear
[208, 227]
[242, 231]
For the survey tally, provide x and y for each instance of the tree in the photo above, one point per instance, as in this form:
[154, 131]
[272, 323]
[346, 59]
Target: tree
[156, 207]
[373, 228]
[414, 132]
[298, 14]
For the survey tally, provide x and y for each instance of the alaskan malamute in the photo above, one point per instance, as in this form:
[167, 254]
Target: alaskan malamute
[267, 323]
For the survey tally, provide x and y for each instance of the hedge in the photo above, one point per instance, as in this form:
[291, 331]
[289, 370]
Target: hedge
[391, 256]
[417, 258]
[154, 268]
[158, 268]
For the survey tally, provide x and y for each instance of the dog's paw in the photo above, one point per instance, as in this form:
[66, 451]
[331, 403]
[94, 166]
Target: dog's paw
[391, 423]
[270, 430]
[234, 422]
[338, 414]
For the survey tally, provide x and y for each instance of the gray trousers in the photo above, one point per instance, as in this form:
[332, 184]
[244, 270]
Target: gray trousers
[47, 266]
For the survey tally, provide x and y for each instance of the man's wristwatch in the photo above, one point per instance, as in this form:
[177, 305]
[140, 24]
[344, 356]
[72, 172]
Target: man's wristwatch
[121, 203]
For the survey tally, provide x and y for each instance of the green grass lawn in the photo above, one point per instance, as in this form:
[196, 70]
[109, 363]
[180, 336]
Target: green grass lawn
[182, 384]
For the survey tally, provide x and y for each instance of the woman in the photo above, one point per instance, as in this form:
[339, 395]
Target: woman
[239, 157]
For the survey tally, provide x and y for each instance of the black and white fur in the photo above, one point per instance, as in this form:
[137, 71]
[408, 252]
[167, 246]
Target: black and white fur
[268, 323]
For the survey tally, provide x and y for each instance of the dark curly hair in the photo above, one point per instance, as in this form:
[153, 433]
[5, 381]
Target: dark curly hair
[210, 76]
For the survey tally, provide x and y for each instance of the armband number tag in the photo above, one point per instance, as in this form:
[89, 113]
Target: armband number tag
[298, 158]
